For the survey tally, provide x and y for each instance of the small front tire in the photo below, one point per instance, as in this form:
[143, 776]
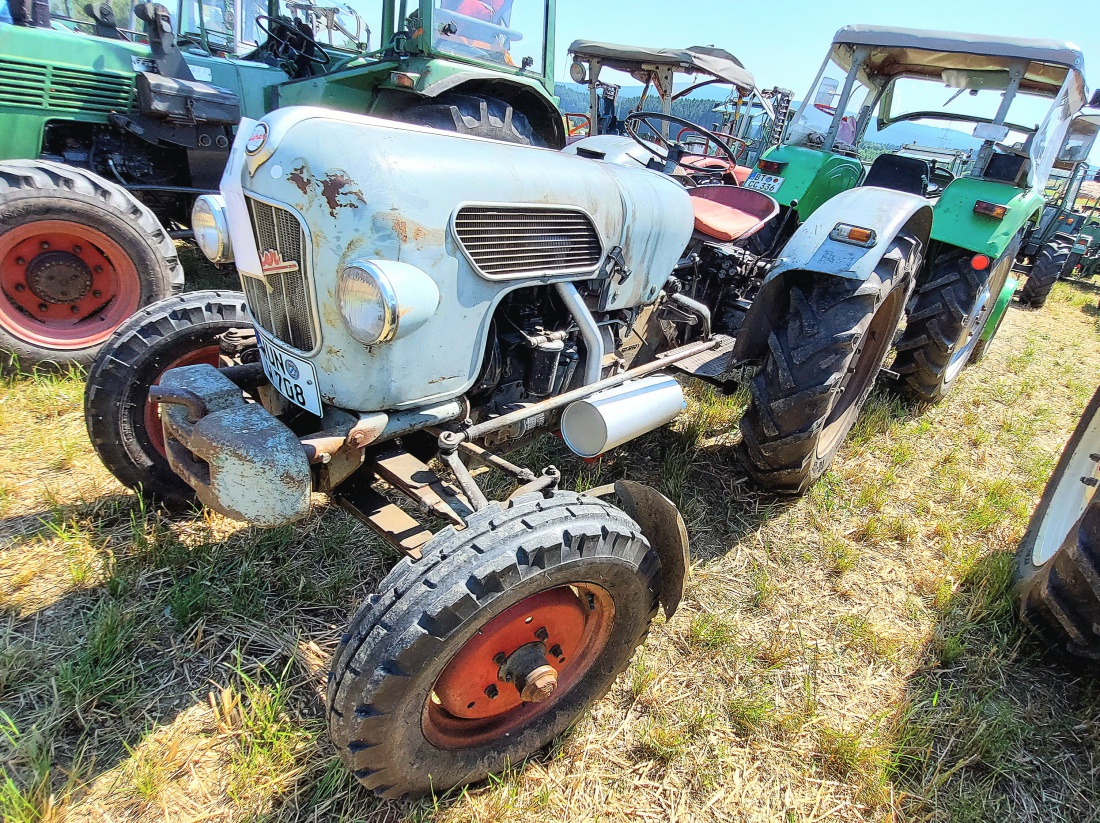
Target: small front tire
[416, 703]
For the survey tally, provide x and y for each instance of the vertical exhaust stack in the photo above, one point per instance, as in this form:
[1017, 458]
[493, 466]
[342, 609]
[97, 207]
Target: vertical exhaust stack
[612, 417]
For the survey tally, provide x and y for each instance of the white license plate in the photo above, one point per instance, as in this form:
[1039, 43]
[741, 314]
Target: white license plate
[767, 183]
[293, 377]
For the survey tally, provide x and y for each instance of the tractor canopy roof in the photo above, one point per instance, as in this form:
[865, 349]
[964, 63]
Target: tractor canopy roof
[718, 63]
[899, 52]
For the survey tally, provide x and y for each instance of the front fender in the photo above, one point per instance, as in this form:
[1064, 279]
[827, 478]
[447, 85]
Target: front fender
[885, 211]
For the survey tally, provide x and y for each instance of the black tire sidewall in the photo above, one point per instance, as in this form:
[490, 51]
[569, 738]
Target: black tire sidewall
[118, 389]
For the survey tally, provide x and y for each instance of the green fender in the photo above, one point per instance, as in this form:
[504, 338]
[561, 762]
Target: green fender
[999, 308]
[955, 223]
[811, 177]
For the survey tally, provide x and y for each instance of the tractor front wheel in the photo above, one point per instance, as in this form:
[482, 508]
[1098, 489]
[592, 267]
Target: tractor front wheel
[78, 255]
[822, 361]
[123, 425]
[482, 652]
[1049, 263]
[1058, 561]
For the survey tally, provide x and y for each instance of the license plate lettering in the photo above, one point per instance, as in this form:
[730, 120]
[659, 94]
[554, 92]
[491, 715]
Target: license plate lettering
[292, 377]
[767, 183]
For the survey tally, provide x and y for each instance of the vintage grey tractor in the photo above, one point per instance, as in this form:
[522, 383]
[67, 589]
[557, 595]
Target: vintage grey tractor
[415, 300]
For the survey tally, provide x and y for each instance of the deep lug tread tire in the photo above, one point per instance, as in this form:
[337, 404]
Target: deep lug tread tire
[403, 636]
[475, 115]
[1060, 598]
[41, 189]
[936, 322]
[128, 364]
[1047, 267]
[809, 354]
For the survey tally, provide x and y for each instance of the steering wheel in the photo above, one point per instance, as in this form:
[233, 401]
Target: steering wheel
[319, 56]
[675, 148]
[746, 142]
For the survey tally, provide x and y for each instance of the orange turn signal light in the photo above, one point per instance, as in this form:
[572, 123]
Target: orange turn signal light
[855, 235]
[994, 210]
[406, 80]
[979, 262]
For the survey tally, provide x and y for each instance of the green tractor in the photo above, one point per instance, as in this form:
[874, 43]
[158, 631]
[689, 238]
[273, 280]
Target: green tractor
[110, 133]
[980, 220]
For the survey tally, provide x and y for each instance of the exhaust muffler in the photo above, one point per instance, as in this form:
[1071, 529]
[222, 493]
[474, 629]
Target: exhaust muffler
[610, 418]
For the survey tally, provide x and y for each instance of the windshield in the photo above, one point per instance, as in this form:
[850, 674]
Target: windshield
[508, 32]
[350, 26]
[816, 112]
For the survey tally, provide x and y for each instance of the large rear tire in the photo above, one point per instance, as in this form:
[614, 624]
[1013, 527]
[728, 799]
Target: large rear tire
[123, 426]
[946, 322]
[476, 115]
[822, 361]
[1058, 561]
[1050, 262]
[78, 256]
[418, 700]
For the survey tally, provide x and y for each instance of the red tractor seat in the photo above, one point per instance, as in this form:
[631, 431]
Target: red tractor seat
[729, 213]
[709, 163]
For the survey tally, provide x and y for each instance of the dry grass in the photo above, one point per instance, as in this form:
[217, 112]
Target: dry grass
[850, 655]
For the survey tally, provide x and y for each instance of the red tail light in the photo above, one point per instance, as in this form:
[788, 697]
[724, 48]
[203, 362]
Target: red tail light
[770, 166]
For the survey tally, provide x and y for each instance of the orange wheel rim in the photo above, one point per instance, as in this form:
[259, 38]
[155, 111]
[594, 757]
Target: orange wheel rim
[65, 285]
[207, 354]
[470, 705]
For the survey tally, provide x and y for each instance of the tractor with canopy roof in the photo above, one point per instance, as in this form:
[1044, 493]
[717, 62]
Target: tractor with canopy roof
[111, 133]
[1017, 95]
[748, 116]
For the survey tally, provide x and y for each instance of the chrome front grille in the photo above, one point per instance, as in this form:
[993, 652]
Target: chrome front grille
[518, 241]
[280, 300]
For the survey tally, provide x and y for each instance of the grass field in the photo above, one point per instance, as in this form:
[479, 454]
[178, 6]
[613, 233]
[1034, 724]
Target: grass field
[851, 655]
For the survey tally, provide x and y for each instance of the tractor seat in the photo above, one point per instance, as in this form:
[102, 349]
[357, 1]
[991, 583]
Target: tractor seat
[894, 171]
[710, 163]
[729, 213]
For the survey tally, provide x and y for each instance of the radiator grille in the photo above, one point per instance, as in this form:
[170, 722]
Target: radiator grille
[32, 85]
[505, 241]
[280, 301]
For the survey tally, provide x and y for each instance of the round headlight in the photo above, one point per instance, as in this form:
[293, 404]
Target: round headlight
[576, 72]
[367, 303]
[211, 227]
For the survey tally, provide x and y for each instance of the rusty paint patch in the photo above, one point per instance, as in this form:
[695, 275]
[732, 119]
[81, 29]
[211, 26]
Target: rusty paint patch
[299, 179]
[441, 379]
[407, 230]
[340, 192]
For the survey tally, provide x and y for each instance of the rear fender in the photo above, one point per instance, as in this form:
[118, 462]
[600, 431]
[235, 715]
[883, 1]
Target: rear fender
[811, 251]
[956, 224]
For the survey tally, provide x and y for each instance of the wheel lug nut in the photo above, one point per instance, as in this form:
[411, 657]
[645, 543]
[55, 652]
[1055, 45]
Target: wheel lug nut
[20, 287]
[43, 245]
[555, 650]
[97, 293]
[77, 249]
[542, 634]
[491, 691]
[19, 261]
[42, 307]
[97, 269]
[500, 658]
[75, 309]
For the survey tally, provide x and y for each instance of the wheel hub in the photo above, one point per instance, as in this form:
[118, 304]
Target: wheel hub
[526, 668]
[59, 277]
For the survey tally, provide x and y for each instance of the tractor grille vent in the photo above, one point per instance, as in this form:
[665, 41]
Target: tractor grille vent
[280, 301]
[517, 241]
[35, 86]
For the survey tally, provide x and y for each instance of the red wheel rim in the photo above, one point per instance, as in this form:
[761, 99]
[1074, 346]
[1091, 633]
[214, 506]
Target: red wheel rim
[573, 622]
[65, 285]
[207, 354]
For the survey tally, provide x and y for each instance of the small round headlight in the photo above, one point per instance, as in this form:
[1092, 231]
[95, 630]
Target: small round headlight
[211, 228]
[576, 72]
[367, 303]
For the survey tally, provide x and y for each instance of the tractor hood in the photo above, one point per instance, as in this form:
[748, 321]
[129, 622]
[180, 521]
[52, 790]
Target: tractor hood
[416, 235]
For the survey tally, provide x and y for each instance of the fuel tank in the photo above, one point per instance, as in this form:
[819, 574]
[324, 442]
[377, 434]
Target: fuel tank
[311, 193]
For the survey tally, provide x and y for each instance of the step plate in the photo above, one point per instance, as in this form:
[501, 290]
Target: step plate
[708, 365]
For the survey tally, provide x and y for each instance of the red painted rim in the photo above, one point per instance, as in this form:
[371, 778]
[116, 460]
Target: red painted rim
[573, 622]
[207, 354]
[100, 287]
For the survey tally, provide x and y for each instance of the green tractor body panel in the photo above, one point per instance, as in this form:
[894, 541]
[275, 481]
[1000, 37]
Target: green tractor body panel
[956, 224]
[1008, 291]
[811, 177]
